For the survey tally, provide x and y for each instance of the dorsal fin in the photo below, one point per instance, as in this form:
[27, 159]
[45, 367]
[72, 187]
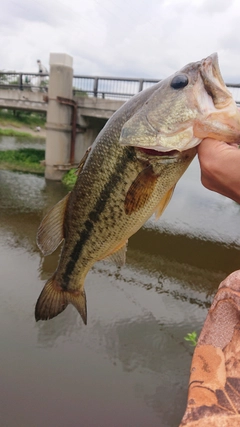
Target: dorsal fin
[50, 232]
[83, 161]
[164, 202]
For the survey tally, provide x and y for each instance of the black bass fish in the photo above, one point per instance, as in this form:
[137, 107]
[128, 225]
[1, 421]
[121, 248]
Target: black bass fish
[130, 173]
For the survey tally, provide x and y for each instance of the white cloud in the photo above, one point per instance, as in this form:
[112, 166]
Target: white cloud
[214, 6]
[109, 37]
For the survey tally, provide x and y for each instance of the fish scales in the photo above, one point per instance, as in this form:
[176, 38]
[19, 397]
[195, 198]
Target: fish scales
[102, 214]
[107, 208]
[130, 173]
[119, 173]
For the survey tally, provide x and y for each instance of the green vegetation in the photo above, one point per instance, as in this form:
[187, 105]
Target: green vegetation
[12, 132]
[70, 178]
[31, 160]
[24, 160]
[192, 338]
[19, 118]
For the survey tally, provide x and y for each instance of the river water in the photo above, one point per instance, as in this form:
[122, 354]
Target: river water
[130, 365]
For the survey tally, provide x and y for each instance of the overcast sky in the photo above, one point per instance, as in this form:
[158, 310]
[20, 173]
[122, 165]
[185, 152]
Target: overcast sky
[125, 38]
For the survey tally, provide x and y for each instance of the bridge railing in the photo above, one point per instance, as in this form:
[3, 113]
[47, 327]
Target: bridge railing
[124, 88]
[109, 87]
[99, 87]
[24, 81]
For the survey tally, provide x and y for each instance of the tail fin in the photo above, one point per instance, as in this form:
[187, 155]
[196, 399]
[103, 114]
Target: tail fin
[53, 300]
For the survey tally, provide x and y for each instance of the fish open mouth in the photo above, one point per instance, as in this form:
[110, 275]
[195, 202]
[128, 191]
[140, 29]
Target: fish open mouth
[152, 152]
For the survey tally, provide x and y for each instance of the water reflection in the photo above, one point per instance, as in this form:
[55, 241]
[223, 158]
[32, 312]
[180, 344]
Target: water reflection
[197, 212]
[24, 199]
[65, 326]
[133, 346]
[142, 345]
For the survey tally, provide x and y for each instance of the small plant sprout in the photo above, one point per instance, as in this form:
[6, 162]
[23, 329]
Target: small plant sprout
[192, 338]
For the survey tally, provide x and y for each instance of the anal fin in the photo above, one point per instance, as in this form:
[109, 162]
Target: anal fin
[50, 232]
[118, 257]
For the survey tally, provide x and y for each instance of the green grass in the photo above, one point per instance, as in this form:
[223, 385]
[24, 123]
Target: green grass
[29, 160]
[12, 132]
[20, 118]
[70, 178]
[24, 160]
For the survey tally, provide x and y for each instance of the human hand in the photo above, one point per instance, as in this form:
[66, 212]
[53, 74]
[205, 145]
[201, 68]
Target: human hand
[220, 167]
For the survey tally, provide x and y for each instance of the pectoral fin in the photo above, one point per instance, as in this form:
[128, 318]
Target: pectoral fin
[50, 232]
[164, 202]
[140, 191]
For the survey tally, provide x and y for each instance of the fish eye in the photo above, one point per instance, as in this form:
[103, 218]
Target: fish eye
[180, 81]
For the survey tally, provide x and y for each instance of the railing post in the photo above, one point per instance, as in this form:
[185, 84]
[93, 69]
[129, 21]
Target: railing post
[95, 88]
[140, 87]
[20, 81]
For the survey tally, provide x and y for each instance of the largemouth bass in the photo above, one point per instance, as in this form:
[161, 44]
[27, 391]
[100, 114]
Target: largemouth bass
[130, 173]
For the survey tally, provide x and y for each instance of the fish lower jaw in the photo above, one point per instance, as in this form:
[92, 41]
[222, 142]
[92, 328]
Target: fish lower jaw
[155, 152]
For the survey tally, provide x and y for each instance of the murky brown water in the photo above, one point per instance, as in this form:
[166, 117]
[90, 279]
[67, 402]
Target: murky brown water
[129, 366]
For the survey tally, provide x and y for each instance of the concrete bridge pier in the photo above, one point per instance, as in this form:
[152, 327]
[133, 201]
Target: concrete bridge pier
[58, 126]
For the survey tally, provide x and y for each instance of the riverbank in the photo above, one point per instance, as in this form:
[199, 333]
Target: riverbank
[22, 123]
[22, 131]
[24, 126]
[25, 159]
[28, 160]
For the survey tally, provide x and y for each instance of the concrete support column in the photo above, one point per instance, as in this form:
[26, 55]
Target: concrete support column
[58, 127]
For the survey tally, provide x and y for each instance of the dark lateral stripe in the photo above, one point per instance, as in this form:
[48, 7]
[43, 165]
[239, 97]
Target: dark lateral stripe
[94, 215]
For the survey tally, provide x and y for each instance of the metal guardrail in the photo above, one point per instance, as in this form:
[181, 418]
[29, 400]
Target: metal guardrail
[99, 87]
[109, 87]
[124, 88]
[24, 81]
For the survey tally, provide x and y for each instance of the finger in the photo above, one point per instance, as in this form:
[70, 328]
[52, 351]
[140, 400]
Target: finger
[208, 146]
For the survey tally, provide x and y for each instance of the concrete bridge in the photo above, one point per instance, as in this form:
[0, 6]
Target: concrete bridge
[73, 121]
[16, 99]
[77, 107]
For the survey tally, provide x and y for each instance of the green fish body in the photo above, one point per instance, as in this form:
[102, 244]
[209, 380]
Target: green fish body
[128, 174]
